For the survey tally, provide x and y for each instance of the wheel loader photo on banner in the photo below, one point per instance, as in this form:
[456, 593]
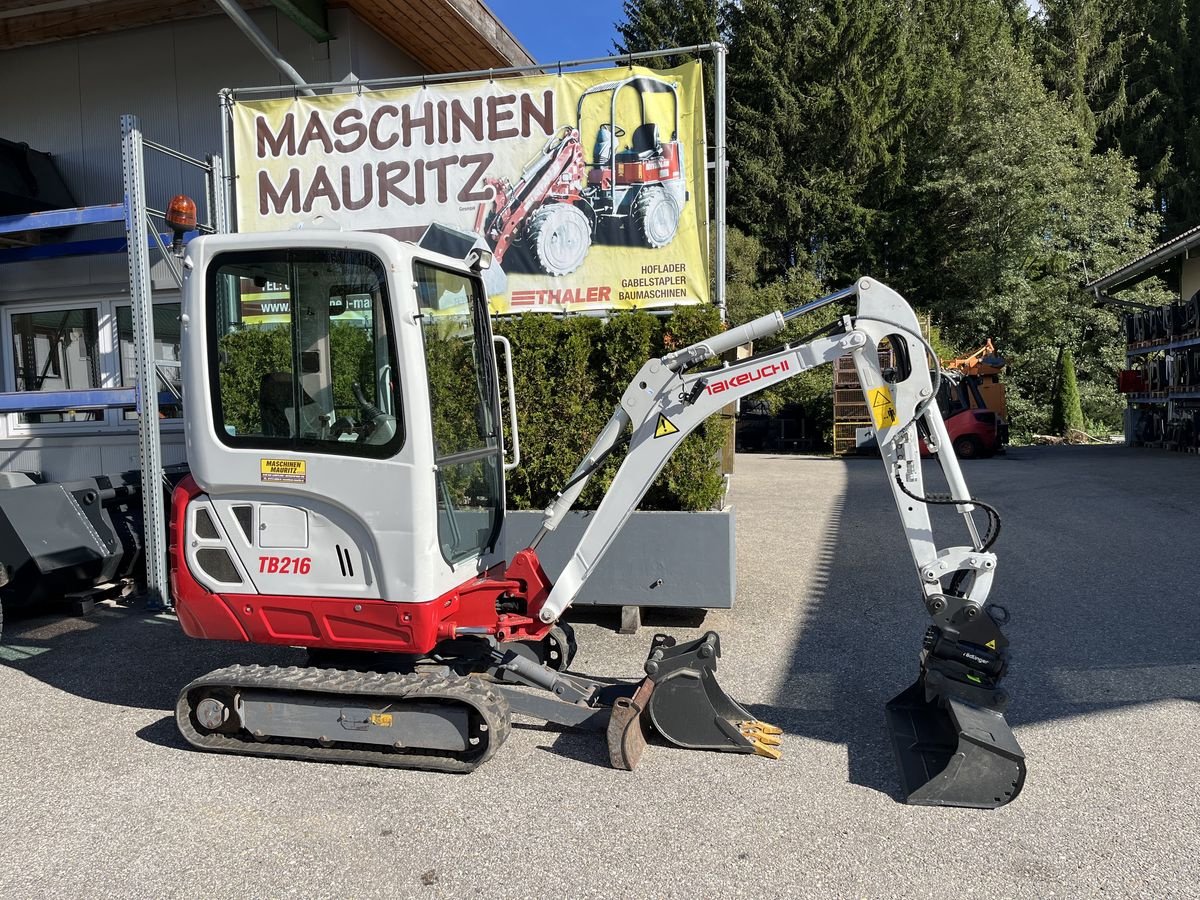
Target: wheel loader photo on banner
[633, 196]
[588, 187]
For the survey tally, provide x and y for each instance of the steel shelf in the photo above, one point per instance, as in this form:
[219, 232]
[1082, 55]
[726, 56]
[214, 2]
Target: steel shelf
[63, 218]
[1172, 395]
[1172, 345]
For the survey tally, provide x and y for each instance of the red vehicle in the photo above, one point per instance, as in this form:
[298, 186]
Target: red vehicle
[975, 431]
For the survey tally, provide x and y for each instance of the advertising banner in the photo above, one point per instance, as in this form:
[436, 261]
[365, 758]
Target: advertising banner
[588, 187]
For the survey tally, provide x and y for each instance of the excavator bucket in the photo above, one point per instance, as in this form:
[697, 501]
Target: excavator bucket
[952, 753]
[681, 700]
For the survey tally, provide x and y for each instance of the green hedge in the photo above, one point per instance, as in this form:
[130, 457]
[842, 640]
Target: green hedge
[570, 374]
[250, 353]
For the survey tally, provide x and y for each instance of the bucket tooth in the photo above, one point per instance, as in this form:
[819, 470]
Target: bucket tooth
[953, 753]
[763, 738]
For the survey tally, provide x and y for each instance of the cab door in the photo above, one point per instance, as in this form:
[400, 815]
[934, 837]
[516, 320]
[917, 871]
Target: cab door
[465, 411]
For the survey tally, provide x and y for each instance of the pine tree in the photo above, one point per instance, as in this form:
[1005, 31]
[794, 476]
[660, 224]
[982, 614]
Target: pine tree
[820, 100]
[1082, 46]
[662, 24]
[1159, 122]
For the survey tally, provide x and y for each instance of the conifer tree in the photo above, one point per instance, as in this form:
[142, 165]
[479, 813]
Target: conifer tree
[1083, 47]
[820, 97]
[662, 24]
[1067, 415]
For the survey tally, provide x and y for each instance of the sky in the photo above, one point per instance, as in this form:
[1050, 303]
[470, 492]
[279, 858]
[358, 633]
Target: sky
[554, 31]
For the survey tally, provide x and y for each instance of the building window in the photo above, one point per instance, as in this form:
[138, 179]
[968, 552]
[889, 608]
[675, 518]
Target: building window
[166, 357]
[56, 350]
[60, 347]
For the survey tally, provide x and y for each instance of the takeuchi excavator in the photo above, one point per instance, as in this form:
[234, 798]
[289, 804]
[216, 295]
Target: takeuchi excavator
[347, 494]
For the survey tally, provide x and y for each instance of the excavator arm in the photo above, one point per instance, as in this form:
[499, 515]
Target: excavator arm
[668, 399]
[951, 740]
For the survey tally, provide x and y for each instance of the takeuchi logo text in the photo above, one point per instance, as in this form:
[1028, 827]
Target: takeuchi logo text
[413, 143]
[767, 371]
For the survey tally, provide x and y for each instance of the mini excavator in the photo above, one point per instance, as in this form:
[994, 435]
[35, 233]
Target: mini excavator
[347, 494]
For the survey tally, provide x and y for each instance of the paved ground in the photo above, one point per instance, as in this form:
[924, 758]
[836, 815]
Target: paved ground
[1098, 568]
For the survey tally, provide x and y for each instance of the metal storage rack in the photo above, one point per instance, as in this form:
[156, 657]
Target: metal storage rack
[850, 412]
[1166, 414]
[140, 234]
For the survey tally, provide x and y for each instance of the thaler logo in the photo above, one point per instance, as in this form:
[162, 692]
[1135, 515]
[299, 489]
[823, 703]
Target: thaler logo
[762, 372]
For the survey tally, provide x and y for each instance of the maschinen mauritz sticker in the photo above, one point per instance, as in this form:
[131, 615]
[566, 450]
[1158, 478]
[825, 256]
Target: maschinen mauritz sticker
[293, 470]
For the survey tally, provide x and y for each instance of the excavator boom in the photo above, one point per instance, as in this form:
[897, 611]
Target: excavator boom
[952, 743]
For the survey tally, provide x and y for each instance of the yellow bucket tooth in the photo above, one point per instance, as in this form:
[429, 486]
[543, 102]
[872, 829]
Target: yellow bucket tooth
[769, 752]
[768, 739]
[763, 738]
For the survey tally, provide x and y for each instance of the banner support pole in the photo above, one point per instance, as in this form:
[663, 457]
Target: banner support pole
[719, 140]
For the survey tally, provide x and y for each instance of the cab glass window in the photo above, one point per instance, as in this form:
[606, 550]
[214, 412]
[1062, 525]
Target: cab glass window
[304, 356]
[463, 399]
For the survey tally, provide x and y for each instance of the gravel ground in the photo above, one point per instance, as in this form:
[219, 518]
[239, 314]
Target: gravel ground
[1098, 567]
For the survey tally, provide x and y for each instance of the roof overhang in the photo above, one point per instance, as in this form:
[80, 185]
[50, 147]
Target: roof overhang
[442, 35]
[1144, 266]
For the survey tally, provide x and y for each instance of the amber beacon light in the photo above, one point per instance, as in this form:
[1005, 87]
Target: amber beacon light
[180, 218]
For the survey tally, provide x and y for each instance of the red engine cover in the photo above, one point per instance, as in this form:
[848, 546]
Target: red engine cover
[649, 171]
[340, 623]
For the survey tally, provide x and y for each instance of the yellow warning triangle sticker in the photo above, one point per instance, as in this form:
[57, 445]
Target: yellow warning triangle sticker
[991, 645]
[664, 427]
[883, 407]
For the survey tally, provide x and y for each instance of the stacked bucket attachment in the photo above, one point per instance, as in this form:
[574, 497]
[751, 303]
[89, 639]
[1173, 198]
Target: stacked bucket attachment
[681, 701]
[953, 745]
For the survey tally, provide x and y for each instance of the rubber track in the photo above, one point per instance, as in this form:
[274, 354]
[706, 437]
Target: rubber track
[486, 702]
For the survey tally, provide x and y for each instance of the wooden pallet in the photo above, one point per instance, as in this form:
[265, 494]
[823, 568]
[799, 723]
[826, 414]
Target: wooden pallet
[850, 410]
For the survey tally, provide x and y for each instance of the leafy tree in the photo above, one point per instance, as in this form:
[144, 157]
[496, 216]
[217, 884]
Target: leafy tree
[1016, 214]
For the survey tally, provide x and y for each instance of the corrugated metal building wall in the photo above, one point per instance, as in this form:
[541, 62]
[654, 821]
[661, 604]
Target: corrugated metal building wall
[66, 99]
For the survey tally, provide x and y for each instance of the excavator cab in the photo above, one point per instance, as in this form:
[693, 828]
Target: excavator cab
[344, 436]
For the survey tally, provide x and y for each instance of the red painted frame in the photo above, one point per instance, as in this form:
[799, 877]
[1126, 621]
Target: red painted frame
[342, 623]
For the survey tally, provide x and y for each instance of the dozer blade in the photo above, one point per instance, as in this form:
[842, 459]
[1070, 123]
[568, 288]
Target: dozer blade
[952, 753]
[684, 703]
[626, 737]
